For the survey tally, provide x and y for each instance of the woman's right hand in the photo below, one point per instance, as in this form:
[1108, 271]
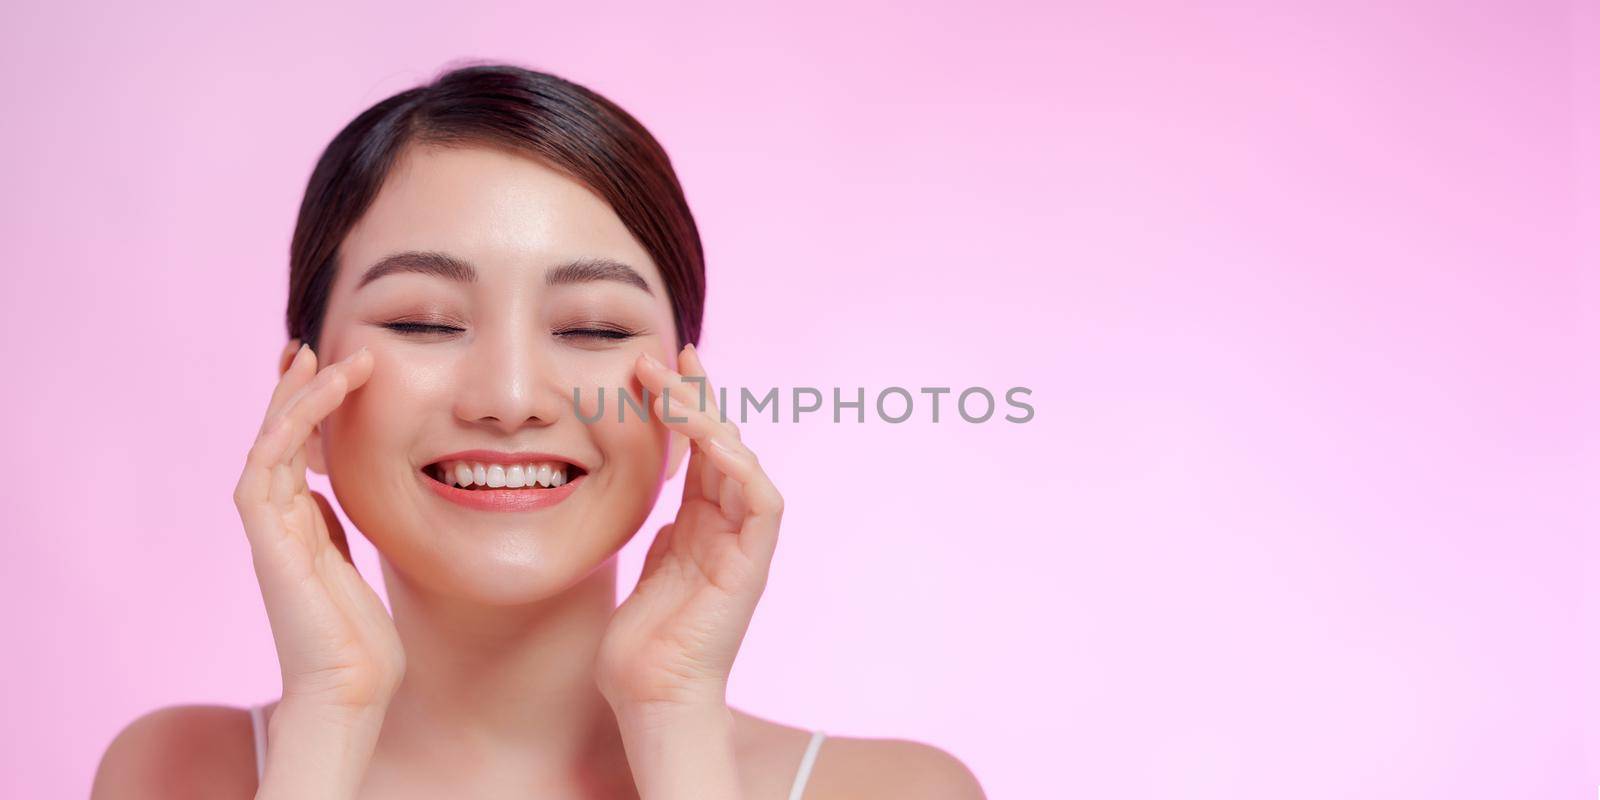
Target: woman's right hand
[337, 645]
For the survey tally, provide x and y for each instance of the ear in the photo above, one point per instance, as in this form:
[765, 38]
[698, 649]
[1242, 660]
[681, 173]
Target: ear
[677, 448]
[314, 441]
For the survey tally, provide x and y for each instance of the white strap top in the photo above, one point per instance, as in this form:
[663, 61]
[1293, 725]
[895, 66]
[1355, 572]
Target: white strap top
[806, 761]
[258, 729]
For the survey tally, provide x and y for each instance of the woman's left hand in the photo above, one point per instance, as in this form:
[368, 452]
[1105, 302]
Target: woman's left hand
[671, 644]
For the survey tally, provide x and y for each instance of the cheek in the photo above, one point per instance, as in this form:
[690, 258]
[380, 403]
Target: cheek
[366, 429]
[598, 380]
[633, 448]
[591, 372]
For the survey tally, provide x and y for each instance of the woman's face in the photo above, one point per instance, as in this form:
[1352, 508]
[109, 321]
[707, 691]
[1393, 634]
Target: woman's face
[519, 328]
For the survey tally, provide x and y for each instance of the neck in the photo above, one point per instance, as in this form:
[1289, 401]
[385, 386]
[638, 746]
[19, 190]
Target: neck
[481, 680]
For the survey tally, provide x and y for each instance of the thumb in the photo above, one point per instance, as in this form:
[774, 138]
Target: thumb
[335, 529]
[658, 548]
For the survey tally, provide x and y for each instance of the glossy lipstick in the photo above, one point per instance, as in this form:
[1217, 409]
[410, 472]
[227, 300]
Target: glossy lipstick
[503, 499]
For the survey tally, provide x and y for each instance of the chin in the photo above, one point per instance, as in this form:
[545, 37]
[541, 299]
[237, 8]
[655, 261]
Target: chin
[506, 572]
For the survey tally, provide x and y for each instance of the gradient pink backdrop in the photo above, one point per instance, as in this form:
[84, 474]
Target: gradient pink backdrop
[1293, 284]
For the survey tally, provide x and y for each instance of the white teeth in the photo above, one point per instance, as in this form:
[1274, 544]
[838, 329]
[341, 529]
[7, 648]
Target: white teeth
[495, 476]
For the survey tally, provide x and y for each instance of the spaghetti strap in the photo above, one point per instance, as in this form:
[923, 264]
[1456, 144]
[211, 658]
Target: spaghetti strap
[258, 731]
[806, 762]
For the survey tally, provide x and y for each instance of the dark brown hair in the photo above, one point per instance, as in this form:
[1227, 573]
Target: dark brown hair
[566, 126]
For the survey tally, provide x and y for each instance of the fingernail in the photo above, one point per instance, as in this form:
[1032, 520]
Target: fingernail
[654, 362]
[726, 448]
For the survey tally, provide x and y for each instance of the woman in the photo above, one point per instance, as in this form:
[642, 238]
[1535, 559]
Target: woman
[478, 266]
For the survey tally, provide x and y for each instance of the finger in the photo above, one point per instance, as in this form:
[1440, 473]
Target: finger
[736, 462]
[710, 480]
[270, 449]
[763, 505]
[316, 401]
[335, 528]
[689, 364]
[693, 486]
[697, 482]
[302, 368]
[674, 401]
[353, 370]
[700, 425]
[325, 374]
[281, 437]
[733, 505]
[658, 549]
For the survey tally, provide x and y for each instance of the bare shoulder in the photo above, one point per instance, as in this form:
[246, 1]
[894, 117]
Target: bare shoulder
[847, 767]
[188, 751]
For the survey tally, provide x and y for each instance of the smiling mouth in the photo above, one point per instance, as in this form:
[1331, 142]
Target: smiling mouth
[478, 476]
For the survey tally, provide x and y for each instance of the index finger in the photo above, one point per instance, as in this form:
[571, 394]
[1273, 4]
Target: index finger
[289, 382]
[690, 365]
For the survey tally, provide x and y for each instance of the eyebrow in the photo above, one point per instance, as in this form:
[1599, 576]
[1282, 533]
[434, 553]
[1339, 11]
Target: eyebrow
[444, 265]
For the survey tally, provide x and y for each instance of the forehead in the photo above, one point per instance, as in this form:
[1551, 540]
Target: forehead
[502, 211]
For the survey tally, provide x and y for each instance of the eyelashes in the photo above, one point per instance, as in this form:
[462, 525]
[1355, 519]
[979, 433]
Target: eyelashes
[415, 328]
[600, 331]
[594, 332]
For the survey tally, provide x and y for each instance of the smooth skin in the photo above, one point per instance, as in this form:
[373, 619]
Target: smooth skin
[507, 669]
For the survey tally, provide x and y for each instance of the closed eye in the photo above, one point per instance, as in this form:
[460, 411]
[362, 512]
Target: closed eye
[612, 334]
[597, 333]
[418, 328]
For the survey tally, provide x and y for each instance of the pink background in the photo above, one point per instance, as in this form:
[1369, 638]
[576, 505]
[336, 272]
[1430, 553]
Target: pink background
[1293, 284]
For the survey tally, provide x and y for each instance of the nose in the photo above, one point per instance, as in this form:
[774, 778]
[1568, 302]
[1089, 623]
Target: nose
[508, 381]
